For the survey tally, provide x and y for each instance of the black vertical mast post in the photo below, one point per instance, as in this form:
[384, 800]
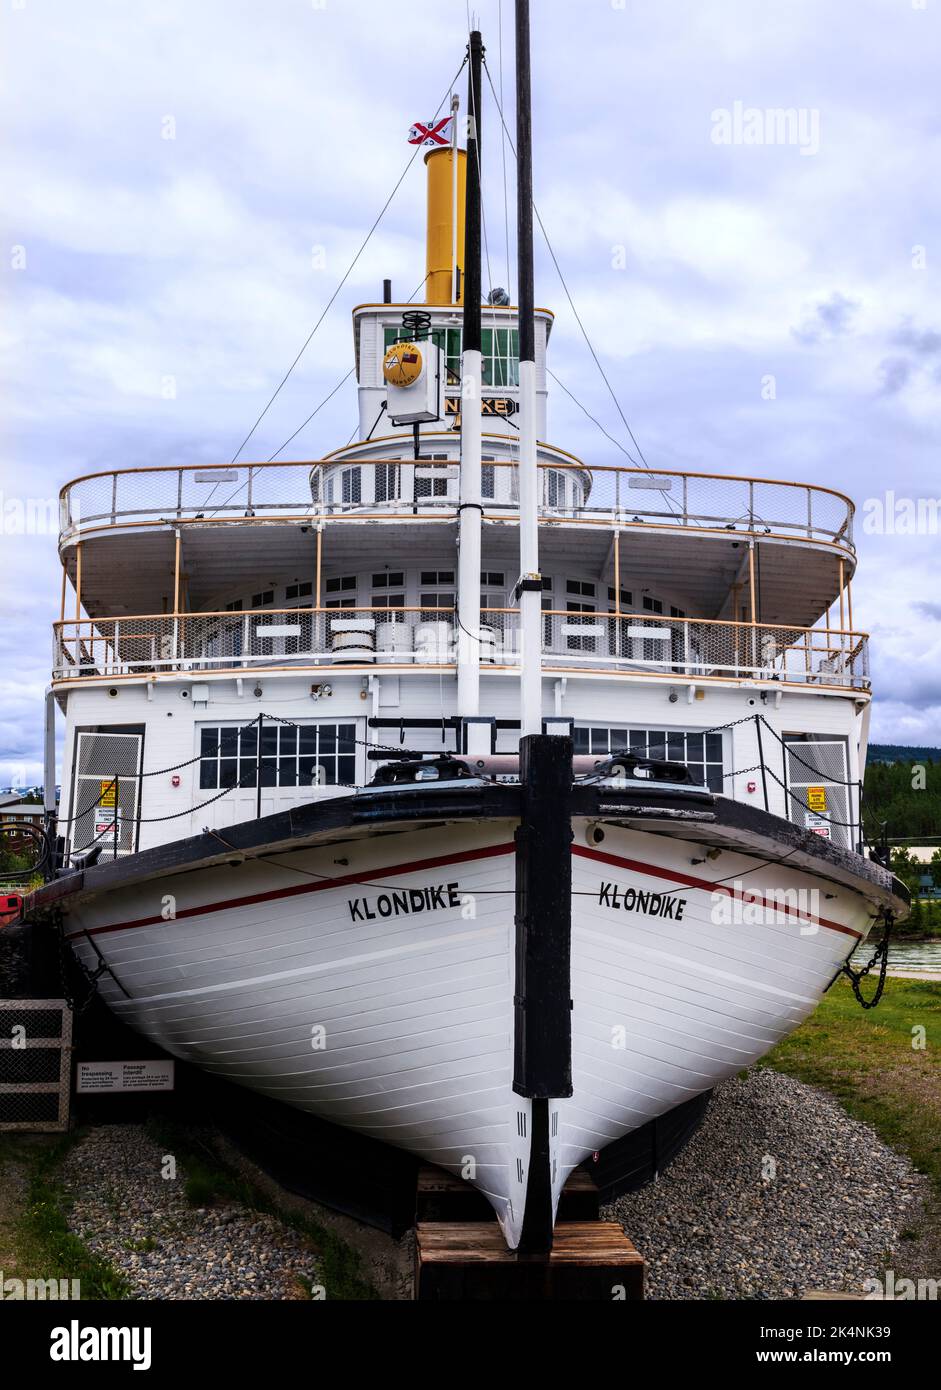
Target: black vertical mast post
[470, 510]
[472, 218]
[542, 1067]
[524, 185]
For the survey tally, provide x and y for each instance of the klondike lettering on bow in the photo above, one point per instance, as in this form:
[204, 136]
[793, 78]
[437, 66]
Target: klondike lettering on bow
[636, 900]
[400, 902]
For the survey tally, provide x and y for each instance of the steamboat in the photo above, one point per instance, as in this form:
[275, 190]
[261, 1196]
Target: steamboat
[470, 795]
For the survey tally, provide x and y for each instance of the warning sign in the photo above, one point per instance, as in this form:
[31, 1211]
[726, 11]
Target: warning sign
[818, 824]
[124, 1076]
[817, 798]
[108, 822]
[109, 791]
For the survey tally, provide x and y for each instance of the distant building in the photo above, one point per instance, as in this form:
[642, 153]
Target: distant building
[11, 808]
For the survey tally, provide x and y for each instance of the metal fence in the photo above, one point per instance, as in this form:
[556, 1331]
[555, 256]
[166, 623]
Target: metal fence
[335, 488]
[422, 637]
[35, 1064]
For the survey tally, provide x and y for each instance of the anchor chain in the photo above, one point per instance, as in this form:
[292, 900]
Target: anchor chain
[881, 954]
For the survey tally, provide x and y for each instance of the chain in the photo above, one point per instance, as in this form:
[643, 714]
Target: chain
[881, 954]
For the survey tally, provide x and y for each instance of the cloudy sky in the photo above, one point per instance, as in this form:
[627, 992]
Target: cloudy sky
[169, 166]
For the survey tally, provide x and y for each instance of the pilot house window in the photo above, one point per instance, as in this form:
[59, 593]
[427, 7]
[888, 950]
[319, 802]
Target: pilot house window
[702, 753]
[292, 755]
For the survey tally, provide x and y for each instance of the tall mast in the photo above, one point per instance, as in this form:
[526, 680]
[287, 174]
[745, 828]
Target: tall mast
[529, 589]
[471, 506]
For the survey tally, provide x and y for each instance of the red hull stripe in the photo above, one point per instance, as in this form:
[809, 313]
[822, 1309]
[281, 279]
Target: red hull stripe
[441, 861]
[690, 881]
[299, 889]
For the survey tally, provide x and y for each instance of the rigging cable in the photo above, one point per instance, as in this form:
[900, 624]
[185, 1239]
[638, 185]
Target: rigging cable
[347, 273]
[565, 287]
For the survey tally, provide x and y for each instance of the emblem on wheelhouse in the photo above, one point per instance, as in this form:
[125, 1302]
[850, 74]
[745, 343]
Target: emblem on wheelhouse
[461, 754]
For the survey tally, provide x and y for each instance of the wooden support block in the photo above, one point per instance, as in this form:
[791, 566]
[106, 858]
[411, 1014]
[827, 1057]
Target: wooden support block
[580, 1199]
[441, 1196]
[470, 1261]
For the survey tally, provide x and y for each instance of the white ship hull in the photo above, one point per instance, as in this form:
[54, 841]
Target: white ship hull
[371, 982]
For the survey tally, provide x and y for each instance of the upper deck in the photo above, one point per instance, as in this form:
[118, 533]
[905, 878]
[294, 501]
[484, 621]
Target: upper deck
[745, 569]
[614, 497]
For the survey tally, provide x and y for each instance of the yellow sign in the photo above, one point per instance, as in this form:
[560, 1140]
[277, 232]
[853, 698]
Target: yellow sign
[108, 793]
[402, 364]
[816, 798]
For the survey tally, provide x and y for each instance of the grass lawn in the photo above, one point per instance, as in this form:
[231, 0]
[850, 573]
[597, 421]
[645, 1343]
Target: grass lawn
[886, 1071]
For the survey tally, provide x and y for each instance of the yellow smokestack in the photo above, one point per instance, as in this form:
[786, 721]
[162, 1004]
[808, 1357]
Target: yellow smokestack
[439, 286]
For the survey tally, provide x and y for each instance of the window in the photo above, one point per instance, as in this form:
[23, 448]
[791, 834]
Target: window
[291, 756]
[298, 591]
[433, 482]
[437, 589]
[652, 605]
[627, 598]
[341, 584]
[387, 482]
[386, 583]
[580, 587]
[580, 644]
[260, 600]
[492, 579]
[234, 607]
[556, 488]
[701, 753]
[488, 474]
[500, 350]
[351, 485]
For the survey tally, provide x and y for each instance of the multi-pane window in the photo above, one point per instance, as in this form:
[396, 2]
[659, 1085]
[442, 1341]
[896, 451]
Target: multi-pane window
[652, 605]
[437, 589]
[702, 753]
[298, 591]
[627, 598]
[341, 583]
[556, 487]
[500, 353]
[433, 482]
[263, 599]
[587, 591]
[388, 589]
[234, 607]
[500, 350]
[341, 591]
[387, 482]
[291, 756]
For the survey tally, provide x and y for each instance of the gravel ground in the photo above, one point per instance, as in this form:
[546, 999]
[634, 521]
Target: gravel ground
[714, 1227]
[127, 1213]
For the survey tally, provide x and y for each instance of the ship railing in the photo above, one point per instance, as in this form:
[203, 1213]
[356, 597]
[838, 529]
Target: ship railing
[359, 488]
[422, 638]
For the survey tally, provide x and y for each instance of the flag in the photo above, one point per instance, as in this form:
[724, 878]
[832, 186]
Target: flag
[433, 133]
